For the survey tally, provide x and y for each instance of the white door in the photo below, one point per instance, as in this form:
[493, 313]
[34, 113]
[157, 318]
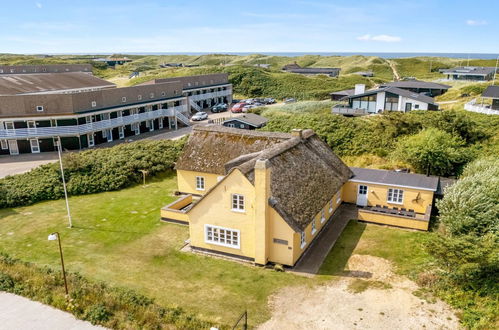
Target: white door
[13, 148]
[35, 146]
[362, 195]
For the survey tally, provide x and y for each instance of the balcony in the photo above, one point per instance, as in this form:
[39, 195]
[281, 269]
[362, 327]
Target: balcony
[480, 107]
[345, 110]
[76, 130]
[199, 97]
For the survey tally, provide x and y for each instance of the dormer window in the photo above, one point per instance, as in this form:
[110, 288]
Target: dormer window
[163, 94]
[123, 99]
[139, 97]
[39, 108]
[94, 104]
[151, 95]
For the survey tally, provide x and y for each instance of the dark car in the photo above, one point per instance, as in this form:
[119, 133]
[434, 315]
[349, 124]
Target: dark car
[220, 107]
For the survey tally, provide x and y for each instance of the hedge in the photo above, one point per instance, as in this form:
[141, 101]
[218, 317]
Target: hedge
[91, 171]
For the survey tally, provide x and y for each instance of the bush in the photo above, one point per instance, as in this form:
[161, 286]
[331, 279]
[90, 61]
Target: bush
[91, 171]
[6, 282]
[97, 314]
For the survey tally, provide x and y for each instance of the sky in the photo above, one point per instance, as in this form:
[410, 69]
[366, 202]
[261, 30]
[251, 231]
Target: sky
[109, 26]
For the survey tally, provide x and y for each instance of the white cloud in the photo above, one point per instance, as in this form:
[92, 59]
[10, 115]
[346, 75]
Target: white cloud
[473, 22]
[380, 37]
[38, 5]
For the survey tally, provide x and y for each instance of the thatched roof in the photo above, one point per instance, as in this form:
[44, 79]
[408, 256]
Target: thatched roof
[210, 147]
[305, 173]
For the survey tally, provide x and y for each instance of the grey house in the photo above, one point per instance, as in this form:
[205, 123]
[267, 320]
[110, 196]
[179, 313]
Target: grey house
[478, 73]
[417, 86]
[247, 121]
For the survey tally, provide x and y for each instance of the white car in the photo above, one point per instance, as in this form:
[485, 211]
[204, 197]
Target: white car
[200, 116]
[247, 108]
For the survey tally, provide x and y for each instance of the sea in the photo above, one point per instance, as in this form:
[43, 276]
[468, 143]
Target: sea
[485, 56]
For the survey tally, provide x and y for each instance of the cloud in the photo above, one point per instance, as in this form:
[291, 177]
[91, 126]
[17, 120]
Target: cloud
[38, 5]
[473, 22]
[380, 37]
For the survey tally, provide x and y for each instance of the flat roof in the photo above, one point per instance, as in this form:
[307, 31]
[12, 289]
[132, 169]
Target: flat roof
[15, 84]
[492, 92]
[416, 84]
[250, 119]
[470, 70]
[397, 91]
[393, 178]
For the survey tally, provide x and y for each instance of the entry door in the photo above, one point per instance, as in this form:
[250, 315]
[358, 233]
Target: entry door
[408, 107]
[35, 146]
[13, 148]
[362, 195]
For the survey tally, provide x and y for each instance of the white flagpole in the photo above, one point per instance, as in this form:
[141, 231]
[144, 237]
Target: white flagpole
[59, 147]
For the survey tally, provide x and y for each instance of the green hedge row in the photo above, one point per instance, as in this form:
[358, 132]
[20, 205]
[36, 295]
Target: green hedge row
[114, 308]
[91, 171]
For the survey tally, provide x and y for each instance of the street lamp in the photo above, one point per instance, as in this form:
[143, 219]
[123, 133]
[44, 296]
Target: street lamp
[56, 237]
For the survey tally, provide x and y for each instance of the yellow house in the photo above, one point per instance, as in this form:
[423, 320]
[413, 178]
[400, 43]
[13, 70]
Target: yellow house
[392, 198]
[263, 197]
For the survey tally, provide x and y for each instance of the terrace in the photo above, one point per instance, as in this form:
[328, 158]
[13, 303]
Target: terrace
[396, 216]
[346, 110]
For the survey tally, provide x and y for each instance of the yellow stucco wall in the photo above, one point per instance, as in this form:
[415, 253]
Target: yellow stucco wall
[215, 209]
[186, 181]
[279, 229]
[172, 211]
[393, 220]
[377, 195]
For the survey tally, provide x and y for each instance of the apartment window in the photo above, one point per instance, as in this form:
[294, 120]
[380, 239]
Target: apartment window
[163, 94]
[94, 104]
[91, 141]
[395, 196]
[416, 106]
[199, 183]
[314, 229]
[39, 108]
[139, 97]
[323, 216]
[222, 236]
[151, 95]
[189, 84]
[303, 240]
[330, 206]
[241, 125]
[237, 203]
[123, 99]
[31, 124]
[35, 146]
[4, 144]
[121, 131]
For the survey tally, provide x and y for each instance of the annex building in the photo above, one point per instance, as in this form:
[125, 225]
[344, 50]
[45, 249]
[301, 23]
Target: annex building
[264, 197]
[40, 104]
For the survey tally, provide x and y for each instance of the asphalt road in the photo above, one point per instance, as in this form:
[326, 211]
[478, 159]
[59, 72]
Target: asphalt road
[21, 313]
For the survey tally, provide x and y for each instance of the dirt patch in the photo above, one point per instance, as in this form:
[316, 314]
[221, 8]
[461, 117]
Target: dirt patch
[385, 301]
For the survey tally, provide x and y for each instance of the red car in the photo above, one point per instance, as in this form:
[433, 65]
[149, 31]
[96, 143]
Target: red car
[238, 107]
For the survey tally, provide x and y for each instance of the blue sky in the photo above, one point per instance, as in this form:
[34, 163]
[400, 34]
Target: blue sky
[108, 26]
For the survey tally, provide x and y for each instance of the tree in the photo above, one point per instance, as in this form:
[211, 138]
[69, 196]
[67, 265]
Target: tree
[433, 151]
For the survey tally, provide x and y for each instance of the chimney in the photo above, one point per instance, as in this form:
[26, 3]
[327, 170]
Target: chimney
[262, 210]
[296, 132]
[359, 89]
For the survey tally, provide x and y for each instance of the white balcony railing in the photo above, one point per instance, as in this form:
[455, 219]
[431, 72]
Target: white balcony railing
[481, 108]
[199, 97]
[76, 130]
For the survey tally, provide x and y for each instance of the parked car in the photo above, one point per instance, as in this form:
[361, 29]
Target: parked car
[238, 107]
[248, 107]
[220, 107]
[258, 104]
[200, 116]
[269, 100]
[290, 100]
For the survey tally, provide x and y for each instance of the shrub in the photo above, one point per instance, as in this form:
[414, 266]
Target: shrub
[6, 282]
[91, 171]
[97, 314]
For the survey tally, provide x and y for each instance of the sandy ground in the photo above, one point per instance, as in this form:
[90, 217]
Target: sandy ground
[21, 313]
[334, 306]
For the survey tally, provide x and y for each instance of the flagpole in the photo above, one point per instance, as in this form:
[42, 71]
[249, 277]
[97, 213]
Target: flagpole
[59, 147]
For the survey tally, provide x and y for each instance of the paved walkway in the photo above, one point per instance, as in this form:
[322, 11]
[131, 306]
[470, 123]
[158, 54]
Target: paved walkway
[21, 313]
[10, 165]
[312, 259]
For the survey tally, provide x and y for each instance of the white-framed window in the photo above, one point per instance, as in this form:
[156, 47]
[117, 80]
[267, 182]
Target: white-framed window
[338, 198]
[241, 125]
[237, 203]
[200, 183]
[231, 125]
[9, 127]
[137, 128]
[123, 99]
[35, 146]
[323, 216]
[39, 108]
[222, 236]
[163, 93]
[139, 97]
[91, 141]
[151, 126]
[151, 95]
[314, 229]
[4, 144]
[330, 206]
[303, 240]
[109, 135]
[121, 132]
[395, 196]
[94, 104]
[31, 124]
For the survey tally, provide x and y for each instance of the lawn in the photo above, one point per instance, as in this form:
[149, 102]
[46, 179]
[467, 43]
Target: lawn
[118, 238]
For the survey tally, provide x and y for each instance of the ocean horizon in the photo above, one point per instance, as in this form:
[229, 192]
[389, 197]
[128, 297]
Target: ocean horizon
[485, 56]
